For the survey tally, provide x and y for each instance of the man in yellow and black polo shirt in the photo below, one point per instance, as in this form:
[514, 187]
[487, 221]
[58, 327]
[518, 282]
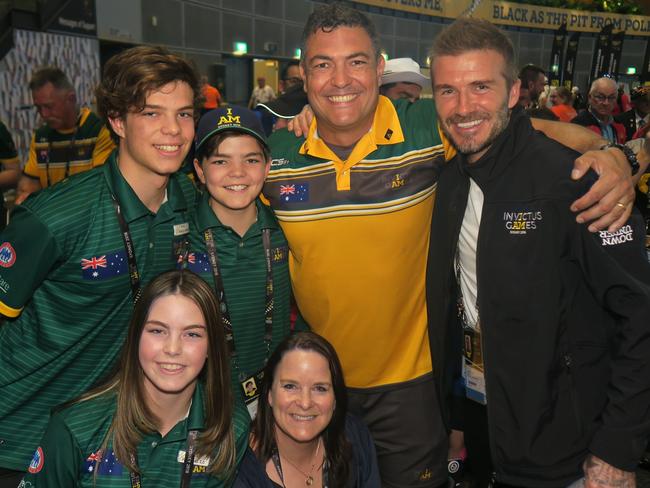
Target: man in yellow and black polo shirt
[71, 141]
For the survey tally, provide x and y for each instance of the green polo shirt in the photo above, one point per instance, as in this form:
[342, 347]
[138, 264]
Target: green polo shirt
[243, 268]
[64, 275]
[73, 453]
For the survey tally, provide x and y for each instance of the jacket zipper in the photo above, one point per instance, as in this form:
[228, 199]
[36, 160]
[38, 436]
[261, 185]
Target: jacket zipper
[483, 350]
[568, 362]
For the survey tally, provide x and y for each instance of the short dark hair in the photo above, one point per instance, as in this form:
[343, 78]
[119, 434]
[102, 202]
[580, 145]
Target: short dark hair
[50, 74]
[285, 70]
[468, 34]
[131, 75]
[213, 143]
[331, 16]
[529, 74]
[263, 427]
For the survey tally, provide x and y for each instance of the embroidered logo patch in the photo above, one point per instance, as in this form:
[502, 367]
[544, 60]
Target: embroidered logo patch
[425, 475]
[397, 181]
[197, 262]
[519, 223]
[279, 254]
[106, 465]
[37, 461]
[105, 266]
[4, 285]
[294, 192]
[279, 162]
[621, 236]
[7, 255]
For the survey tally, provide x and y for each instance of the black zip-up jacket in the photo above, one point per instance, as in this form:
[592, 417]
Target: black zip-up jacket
[566, 329]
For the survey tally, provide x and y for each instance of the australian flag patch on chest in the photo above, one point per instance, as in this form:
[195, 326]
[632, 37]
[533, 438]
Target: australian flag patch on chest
[104, 266]
[105, 465]
[294, 192]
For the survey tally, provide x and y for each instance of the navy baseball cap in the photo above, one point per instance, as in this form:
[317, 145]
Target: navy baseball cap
[233, 118]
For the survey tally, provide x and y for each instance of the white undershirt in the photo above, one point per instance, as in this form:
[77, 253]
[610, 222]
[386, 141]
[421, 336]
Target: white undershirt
[467, 251]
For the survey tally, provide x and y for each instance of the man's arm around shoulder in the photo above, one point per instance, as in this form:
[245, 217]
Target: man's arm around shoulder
[608, 204]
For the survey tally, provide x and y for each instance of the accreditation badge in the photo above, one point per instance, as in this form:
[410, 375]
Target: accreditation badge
[473, 369]
[180, 251]
[251, 388]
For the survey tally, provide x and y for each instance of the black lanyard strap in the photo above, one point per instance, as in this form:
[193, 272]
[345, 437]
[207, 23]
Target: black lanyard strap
[186, 475]
[134, 275]
[460, 302]
[221, 293]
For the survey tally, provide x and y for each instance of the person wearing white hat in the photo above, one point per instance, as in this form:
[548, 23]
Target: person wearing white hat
[402, 79]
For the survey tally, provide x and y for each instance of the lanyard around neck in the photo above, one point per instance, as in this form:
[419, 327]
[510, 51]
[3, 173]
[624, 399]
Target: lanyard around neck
[186, 476]
[134, 275]
[221, 293]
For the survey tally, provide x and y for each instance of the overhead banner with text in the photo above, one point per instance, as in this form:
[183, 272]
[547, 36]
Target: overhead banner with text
[522, 15]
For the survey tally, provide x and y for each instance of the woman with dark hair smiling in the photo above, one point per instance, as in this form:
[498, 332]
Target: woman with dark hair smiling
[166, 417]
[302, 435]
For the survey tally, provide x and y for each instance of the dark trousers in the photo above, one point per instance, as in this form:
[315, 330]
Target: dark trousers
[477, 442]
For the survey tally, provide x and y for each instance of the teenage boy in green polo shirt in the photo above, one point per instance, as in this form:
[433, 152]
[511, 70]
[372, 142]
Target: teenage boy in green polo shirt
[75, 255]
[237, 244]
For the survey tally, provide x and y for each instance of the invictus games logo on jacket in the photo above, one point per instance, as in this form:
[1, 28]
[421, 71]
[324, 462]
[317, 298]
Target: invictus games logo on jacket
[621, 236]
[521, 222]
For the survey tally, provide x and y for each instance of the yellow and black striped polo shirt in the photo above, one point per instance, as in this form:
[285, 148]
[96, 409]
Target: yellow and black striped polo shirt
[358, 231]
[55, 155]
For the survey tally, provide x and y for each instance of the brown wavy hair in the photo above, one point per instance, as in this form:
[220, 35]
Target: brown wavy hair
[133, 419]
[130, 76]
[469, 34]
[337, 447]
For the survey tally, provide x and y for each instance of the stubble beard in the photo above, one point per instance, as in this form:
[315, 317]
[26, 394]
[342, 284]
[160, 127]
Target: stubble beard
[469, 145]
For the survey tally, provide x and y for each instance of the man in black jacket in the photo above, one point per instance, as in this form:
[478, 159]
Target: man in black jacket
[639, 116]
[554, 320]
